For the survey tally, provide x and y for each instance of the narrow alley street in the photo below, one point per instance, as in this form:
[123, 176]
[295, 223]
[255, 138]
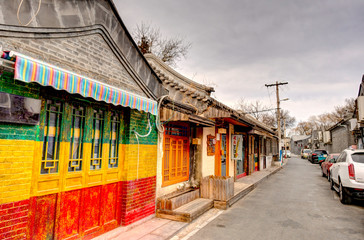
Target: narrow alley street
[295, 203]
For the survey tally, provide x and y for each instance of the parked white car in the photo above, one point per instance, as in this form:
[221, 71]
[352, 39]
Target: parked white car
[347, 175]
[286, 153]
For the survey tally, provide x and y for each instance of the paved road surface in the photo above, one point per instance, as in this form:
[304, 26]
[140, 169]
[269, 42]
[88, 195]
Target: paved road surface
[295, 203]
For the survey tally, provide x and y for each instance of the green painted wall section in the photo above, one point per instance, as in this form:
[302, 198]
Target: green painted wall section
[17, 131]
[138, 121]
[131, 119]
[13, 130]
[9, 85]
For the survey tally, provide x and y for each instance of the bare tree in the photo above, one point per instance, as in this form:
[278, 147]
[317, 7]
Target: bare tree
[304, 128]
[326, 120]
[257, 109]
[345, 110]
[287, 119]
[150, 40]
[270, 119]
[265, 114]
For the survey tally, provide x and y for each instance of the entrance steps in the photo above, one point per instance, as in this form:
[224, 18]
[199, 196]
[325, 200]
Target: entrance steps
[183, 206]
[187, 205]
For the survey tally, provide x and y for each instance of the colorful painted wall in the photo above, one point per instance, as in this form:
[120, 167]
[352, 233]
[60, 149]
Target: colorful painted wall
[73, 204]
[16, 162]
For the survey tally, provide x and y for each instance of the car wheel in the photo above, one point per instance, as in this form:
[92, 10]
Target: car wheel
[344, 197]
[331, 184]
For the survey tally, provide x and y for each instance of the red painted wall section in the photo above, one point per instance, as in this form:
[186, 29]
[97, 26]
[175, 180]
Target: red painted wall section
[112, 206]
[14, 220]
[138, 199]
[43, 215]
[91, 219]
[70, 212]
[77, 214]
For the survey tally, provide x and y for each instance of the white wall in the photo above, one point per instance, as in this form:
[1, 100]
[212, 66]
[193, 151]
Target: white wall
[269, 161]
[261, 163]
[208, 162]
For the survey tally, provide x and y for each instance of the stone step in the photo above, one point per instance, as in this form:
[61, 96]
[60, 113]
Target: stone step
[176, 200]
[188, 212]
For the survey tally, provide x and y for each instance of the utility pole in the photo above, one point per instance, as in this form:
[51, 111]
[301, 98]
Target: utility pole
[284, 138]
[277, 84]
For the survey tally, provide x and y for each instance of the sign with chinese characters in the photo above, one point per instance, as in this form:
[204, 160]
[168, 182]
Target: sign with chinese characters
[237, 147]
[211, 141]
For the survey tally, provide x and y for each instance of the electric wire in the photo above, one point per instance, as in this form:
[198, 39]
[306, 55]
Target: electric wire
[32, 19]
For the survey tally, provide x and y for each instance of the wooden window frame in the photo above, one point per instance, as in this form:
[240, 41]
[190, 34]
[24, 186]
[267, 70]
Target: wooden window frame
[113, 162]
[80, 156]
[185, 150]
[63, 179]
[103, 120]
[58, 130]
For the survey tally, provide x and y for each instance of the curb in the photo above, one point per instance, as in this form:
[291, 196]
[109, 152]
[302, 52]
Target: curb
[233, 201]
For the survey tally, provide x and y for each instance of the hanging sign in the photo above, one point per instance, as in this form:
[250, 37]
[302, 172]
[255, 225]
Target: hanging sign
[237, 147]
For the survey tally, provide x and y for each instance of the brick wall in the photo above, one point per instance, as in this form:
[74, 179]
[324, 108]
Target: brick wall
[17, 142]
[139, 185]
[146, 148]
[341, 139]
[138, 199]
[16, 161]
[14, 220]
[86, 55]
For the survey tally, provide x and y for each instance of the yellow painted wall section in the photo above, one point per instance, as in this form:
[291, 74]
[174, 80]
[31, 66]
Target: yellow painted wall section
[147, 161]
[64, 180]
[16, 162]
[20, 176]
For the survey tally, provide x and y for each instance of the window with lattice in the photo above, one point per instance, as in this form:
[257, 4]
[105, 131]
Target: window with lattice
[97, 137]
[52, 137]
[176, 154]
[114, 140]
[77, 138]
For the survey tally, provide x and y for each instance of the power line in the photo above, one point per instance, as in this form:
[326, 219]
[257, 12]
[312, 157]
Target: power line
[266, 110]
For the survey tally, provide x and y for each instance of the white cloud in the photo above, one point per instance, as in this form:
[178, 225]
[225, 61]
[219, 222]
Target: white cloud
[239, 46]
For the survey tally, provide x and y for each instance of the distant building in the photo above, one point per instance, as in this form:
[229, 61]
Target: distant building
[299, 142]
[359, 114]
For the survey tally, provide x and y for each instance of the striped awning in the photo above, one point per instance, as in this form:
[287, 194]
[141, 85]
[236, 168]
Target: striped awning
[28, 69]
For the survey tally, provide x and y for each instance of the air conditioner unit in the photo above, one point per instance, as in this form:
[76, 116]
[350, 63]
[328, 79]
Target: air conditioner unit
[360, 104]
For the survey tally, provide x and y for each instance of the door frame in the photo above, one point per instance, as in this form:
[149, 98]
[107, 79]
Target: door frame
[218, 152]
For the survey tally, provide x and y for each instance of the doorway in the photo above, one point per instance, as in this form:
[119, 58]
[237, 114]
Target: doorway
[223, 155]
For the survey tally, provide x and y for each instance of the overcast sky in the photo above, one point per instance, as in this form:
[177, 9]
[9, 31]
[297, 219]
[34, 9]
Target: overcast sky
[238, 46]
